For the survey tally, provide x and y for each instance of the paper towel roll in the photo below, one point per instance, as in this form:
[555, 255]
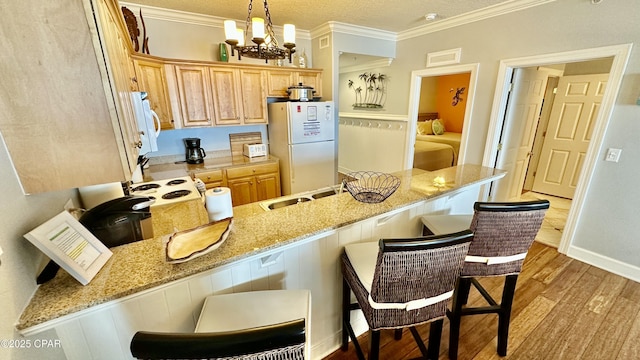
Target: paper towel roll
[218, 203]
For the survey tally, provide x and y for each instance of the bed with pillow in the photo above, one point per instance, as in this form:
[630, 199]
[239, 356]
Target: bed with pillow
[431, 129]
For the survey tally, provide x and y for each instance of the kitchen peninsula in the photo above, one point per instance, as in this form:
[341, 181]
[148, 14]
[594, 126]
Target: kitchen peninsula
[292, 247]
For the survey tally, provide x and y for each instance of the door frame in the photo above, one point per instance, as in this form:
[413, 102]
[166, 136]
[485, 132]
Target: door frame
[414, 103]
[620, 54]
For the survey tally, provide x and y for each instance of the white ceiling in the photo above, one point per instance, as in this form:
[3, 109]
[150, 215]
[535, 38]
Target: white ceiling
[389, 15]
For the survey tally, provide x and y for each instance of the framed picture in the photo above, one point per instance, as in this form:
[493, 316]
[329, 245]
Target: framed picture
[67, 242]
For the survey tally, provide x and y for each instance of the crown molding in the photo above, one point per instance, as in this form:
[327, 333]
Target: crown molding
[183, 17]
[374, 64]
[343, 28]
[152, 12]
[486, 13]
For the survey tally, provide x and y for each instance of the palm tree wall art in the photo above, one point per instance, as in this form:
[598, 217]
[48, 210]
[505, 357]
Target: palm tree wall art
[371, 94]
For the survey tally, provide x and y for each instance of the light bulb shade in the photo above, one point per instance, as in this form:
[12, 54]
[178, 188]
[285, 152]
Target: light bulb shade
[230, 31]
[257, 28]
[240, 36]
[289, 34]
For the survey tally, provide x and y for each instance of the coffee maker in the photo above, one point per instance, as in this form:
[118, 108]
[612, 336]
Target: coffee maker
[194, 153]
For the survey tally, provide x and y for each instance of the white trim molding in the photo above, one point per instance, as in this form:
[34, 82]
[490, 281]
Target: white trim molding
[184, 17]
[373, 64]
[338, 27]
[485, 13]
[604, 262]
[372, 116]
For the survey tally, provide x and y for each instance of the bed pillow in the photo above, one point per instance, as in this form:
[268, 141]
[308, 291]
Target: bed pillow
[438, 127]
[425, 127]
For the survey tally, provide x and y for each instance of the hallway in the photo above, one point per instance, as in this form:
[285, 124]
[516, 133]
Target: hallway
[554, 220]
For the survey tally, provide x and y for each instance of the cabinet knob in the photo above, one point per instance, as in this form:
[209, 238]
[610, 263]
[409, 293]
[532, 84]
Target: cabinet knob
[138, 144]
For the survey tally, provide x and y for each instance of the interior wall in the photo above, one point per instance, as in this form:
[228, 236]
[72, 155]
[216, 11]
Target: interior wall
[606, 224]
[22, 261]
[428, 94]
[447, 86]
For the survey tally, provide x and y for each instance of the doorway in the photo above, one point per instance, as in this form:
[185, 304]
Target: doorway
[414, 106]
[498, 121]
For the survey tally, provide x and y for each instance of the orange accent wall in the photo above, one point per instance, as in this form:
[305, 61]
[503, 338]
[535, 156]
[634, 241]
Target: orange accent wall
[453, 115]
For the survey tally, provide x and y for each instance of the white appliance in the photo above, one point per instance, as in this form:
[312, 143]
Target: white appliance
[168, 191]
[302, 136]
[148, 122]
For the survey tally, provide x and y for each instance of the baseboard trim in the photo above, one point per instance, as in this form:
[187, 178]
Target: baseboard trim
[606, 263]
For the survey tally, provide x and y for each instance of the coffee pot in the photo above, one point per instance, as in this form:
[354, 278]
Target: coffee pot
[194, 153]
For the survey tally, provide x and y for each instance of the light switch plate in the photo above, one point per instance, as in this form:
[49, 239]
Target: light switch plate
[613, 154]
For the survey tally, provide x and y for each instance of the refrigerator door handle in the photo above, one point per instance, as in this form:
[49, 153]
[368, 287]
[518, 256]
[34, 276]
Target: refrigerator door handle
[292, 174]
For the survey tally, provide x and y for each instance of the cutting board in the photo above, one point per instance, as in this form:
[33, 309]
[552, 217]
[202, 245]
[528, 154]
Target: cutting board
[237, 141]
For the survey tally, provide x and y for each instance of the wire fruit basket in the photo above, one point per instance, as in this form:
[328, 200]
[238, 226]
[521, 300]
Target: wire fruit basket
[369, 186]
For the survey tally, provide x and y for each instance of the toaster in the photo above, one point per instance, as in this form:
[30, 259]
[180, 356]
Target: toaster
[253, 150]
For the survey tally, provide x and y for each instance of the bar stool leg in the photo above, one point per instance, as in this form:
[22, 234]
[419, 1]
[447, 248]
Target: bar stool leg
[374, 344]
[435, 335]
[504, 317]
[460, 297]
[346, 314]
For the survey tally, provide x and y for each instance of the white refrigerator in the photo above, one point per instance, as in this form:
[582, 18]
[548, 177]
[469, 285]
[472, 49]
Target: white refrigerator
[302, 135]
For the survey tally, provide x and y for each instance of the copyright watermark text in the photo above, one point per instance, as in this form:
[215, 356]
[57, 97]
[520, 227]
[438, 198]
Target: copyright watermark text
[29, 343]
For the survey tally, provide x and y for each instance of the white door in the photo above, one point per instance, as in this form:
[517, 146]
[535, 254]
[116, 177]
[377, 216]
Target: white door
[573, 115]
[521, 119]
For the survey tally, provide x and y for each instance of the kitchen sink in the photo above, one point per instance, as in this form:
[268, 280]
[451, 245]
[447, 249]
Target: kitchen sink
[289, 200]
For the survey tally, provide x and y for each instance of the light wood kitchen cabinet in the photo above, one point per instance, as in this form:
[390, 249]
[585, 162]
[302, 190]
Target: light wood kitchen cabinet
[279, 80]
[193, 95]
[253, 183]
[121, 74]
[254, 96]
[311, 78]
[212, 178]
[61, 123]
[151, 78]
[239, 96]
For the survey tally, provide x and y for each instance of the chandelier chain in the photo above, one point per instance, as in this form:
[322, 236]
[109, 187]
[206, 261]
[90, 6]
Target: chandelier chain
[246, 31]
[274, 41]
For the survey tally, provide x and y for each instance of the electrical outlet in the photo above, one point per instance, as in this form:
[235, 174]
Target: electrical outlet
[613, 155]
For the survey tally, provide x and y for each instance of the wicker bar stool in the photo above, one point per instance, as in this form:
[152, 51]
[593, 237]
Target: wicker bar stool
[265, 325]
[503, 233]
[400, 283]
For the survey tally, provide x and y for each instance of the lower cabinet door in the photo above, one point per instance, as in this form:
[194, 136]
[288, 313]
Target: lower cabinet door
[242, 190]
[267, 186]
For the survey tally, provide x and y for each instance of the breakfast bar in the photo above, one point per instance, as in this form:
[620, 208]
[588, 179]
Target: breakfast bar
[287, 248]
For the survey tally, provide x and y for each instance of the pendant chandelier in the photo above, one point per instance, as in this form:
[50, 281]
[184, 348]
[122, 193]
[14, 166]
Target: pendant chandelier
[266, 45]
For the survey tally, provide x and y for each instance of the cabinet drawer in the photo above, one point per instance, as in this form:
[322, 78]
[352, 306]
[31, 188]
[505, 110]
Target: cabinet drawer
[251, 170]
[209, 176]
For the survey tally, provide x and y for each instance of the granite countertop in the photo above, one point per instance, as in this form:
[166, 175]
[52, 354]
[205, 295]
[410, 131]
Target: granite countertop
[172, 169]
[141, 265]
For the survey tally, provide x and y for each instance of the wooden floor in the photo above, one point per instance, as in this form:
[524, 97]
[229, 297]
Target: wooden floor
[563, 309]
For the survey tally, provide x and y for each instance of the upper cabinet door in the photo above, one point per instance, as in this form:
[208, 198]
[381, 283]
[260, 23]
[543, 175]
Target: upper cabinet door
[194, 95]
[313, 79]
[227, 97]
[254, 97]
[151, 76]
[278, 82]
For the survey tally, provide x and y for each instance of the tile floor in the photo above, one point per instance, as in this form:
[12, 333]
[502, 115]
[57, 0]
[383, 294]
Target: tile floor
[554, 220]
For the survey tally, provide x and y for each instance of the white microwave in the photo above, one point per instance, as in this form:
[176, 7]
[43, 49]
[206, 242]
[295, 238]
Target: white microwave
[148, 122]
